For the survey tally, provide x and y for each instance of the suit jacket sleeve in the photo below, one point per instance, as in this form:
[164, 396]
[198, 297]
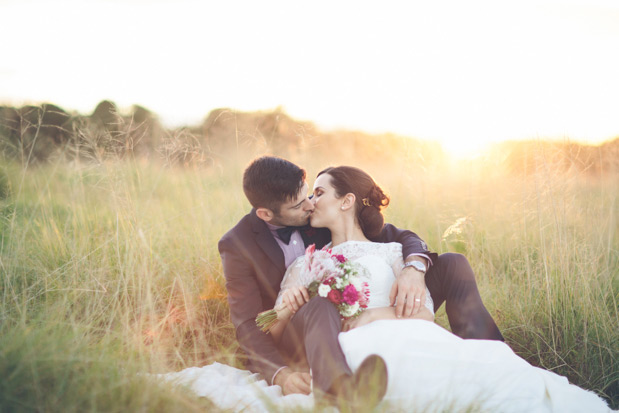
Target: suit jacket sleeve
[411, 243]
[245, 303]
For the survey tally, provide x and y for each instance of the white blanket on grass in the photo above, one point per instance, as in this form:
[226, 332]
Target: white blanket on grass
[237, 390]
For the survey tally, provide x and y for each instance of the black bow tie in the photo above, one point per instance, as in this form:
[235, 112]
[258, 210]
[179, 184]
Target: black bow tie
[286, 232]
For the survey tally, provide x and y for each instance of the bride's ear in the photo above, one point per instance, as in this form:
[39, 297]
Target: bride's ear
[348, 201]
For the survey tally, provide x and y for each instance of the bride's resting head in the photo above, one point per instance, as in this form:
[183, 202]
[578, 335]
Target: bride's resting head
[345, 196]
[276, 188]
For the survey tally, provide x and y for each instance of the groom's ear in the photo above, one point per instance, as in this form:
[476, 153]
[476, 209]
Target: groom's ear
[349, 201]
[264, 214]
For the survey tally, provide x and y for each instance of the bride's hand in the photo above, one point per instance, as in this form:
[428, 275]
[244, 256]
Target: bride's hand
[294, 298]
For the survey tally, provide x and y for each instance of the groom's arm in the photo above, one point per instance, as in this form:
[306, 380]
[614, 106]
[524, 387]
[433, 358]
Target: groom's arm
[245, 303]
[412, 244]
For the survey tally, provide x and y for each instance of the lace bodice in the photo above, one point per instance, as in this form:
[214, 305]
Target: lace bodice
[378, 260]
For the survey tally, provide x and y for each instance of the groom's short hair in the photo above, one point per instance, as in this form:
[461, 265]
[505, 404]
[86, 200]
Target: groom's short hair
[270, 181]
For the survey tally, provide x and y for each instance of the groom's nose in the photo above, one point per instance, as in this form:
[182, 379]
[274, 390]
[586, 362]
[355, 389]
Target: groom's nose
[308, 204]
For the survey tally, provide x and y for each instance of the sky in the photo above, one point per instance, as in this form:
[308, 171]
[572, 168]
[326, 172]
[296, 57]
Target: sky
[463, 73]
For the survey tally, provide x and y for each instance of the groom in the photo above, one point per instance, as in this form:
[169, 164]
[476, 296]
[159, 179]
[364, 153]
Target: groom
[257, 251]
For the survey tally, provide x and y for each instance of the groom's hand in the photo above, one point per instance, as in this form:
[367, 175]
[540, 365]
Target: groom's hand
[293, 381]
[408, 293]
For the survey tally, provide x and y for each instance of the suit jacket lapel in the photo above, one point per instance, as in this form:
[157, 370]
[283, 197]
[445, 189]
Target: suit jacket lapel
[265, 240]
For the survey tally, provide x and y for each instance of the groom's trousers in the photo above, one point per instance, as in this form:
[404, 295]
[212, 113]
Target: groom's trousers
[312, 332]
[310, 338]
[451, 281]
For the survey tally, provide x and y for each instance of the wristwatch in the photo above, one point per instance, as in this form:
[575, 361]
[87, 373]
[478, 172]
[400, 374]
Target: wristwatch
[419, 266]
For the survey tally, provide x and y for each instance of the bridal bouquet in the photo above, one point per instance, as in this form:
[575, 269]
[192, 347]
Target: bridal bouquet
[331, 276]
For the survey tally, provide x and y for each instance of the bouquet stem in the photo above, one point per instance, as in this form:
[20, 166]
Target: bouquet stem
[267, 319]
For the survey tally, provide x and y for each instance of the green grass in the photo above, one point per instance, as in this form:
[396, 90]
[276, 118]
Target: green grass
[112, 269]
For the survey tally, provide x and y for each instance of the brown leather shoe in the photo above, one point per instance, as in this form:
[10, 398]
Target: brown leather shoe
[362, 391]
[371, 381]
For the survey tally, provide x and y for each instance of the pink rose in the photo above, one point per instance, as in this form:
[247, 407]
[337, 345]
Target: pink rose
[340, 258]
[350, 295]
[335, 297]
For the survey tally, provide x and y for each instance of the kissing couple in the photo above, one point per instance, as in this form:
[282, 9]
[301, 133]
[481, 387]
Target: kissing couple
[393, 353]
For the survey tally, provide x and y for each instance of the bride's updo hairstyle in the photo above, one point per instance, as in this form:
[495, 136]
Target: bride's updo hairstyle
[370, 198]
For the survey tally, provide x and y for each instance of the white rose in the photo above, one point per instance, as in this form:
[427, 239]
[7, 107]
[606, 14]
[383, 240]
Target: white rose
[324, 290]
[350, 310]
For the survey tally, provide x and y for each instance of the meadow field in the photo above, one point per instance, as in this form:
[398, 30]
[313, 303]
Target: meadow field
[110, 267]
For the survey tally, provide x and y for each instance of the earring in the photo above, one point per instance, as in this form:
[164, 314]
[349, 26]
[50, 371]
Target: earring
[342, 207]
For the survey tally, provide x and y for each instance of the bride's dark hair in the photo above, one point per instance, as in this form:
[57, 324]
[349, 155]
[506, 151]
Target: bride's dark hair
[370, 198]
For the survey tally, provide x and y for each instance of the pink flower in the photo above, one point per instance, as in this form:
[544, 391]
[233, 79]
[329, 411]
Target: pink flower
[340, 258]
[335, 297]
[364, 296]
[350, 295]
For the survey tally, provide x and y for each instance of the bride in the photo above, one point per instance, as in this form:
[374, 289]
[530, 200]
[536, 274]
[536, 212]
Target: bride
[429, 368]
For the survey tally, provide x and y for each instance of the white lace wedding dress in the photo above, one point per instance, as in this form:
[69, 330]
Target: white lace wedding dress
[429, 368]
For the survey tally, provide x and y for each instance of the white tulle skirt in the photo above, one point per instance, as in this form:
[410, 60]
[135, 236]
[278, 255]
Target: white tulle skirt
[430, 369]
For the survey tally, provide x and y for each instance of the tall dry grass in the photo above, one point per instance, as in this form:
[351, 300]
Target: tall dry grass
[110, 269]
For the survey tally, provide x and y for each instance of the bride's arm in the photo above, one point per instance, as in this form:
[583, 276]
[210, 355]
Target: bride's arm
[292, 298]
[292, 295]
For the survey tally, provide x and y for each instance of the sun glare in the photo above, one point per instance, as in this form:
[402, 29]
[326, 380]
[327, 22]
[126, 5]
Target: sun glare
[463, 149]
[463, 75]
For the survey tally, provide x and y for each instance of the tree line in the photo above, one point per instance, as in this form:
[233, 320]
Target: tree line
[40, 134]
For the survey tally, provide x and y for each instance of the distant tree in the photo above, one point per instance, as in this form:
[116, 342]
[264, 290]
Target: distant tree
[34, 133]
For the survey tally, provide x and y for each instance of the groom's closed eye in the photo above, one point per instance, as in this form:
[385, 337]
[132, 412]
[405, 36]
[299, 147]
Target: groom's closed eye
[297, 206]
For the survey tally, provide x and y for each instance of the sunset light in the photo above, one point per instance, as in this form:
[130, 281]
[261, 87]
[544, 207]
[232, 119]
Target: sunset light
[461, 73]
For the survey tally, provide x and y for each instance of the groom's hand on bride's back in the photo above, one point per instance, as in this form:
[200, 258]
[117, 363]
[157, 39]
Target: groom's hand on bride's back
[294, 298]
[293, 382]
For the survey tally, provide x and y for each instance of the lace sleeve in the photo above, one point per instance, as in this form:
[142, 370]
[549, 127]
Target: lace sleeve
[292, 278]
[394, 254]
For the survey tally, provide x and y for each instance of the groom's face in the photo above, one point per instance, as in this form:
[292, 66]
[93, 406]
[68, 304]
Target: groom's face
[295, 212]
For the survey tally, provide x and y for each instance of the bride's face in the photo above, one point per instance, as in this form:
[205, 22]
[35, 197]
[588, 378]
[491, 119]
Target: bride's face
[327, 206]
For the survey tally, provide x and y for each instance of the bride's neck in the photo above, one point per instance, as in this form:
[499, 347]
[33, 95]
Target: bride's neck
[346, 231]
